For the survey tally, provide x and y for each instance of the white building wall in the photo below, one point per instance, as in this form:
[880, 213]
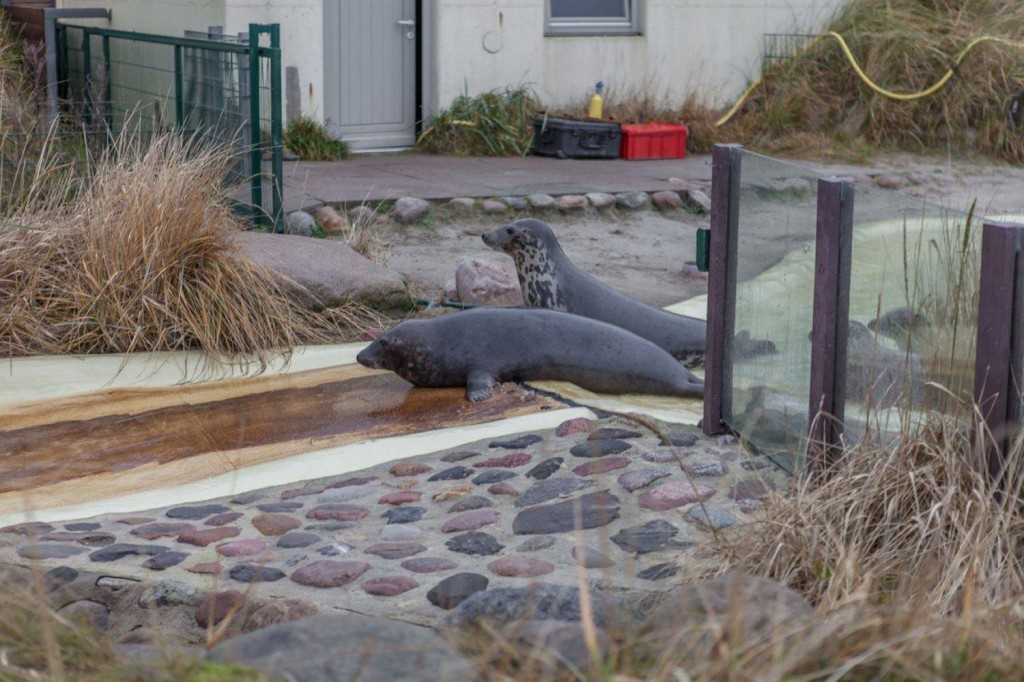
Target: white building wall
[166, 17]
[302, 40]
[709, 48]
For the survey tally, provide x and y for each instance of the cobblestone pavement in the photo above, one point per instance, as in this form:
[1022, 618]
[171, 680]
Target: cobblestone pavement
[414, 538]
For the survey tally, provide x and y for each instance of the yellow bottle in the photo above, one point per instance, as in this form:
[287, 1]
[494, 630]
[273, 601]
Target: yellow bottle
[596, 104]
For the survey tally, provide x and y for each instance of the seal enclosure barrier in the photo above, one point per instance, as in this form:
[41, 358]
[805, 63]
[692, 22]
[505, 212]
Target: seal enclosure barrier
[878, 317]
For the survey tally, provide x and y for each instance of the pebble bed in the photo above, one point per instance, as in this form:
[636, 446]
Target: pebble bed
[414, 538]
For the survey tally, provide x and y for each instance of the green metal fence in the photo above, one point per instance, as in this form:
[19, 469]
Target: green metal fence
[228, 91]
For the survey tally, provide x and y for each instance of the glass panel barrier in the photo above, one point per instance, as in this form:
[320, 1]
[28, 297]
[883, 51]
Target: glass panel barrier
[774, 303]
[913, 313]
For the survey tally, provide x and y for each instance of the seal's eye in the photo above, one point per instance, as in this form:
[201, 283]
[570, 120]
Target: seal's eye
[383, 342]
[510, 231]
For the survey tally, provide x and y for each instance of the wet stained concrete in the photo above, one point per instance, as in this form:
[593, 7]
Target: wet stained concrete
[198, 428]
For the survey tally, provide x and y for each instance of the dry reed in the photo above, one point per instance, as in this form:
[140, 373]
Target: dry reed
[905, 46]
[142, 259]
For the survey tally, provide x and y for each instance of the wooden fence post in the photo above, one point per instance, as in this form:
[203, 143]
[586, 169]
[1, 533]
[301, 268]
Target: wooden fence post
[721, 315]
[831, 322]
[999, 349]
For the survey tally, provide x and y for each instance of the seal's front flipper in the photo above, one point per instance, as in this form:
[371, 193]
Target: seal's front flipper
[479, 386]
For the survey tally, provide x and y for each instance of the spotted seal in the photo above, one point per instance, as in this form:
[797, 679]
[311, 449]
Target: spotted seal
[483, 347]
[550, 280]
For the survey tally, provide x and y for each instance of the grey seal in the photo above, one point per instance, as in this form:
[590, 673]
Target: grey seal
[550, 280]
[486, 346]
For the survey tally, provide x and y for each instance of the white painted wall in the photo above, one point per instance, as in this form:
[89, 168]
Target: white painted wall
[166, 17]
[710, 48]
[302, 40]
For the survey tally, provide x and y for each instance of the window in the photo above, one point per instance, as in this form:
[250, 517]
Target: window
[592, 17]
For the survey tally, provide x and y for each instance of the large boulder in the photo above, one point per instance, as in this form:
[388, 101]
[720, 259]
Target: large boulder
[328, 272]
[347, 646]
[487, 283]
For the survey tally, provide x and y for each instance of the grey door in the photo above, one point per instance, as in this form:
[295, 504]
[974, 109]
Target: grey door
[370, 72]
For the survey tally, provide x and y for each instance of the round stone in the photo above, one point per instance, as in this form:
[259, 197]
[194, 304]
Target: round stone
[223, 519]
[494, 476]
[401, 497]
[612, 433]
[545, 468]
[492, 206]
[503, 488]
[474, 543]
[207, 536]
[355, 480]
[206, 568]
[599, 448]
[81, 526]
[195, 513]
[250, 573]
[48, 550]
[572, 202]
[600, 199]
[536, 544]
[641, 478]
[751, 489]
[152, 531]
[409, 469]
[588, 557]
[601, 466]
[541, 201]
[587, 511]
[300, 492]
[337, 512]
[661, 456]
[455, 589]
[509, 461]
[404, 514]
[520, 567]
[241, 548]
[275, 524]
[705, 467]
[389, 586]
[164, 560]
[216, 606]
[470, 503]
[296, 539]
[674, 494]
[459, 455]
[549, 489]
[632, 200]
[517, 443]
[567, 428]
[428, 565]
[348, 493]
[667, 199]
[395, 550]
[682, 440]
[329, 573]
[472, 520]
[56, 578]
[455, 473]
[516, 203]
[87, 612]
[121, 550]
[87, 538]
[652, 536]
[658, 572]
[710, 517]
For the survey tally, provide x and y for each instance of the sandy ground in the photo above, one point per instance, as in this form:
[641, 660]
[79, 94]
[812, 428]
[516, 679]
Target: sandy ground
[643, 253]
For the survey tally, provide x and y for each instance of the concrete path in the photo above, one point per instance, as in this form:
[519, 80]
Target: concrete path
[376, 177]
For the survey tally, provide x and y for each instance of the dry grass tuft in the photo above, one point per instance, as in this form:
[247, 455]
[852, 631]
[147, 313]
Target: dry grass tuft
[921, 521]
[904, 46]
[142, 259]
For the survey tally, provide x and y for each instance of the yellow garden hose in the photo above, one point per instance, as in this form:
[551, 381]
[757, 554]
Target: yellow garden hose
[938, 85]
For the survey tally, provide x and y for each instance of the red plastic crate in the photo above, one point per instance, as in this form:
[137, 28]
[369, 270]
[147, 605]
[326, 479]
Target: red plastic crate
[653, 141]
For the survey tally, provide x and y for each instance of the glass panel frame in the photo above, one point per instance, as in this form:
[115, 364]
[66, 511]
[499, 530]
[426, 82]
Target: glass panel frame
[561, 23]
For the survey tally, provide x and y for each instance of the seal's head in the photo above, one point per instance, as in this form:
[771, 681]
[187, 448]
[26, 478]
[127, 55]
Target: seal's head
[393, 350]
[527, 239]
[534, 248]
[898, 323]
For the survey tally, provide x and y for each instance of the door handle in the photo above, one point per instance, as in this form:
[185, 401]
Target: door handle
[406, 22]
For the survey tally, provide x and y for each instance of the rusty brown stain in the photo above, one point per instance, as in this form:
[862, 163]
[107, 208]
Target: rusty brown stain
[284, 420]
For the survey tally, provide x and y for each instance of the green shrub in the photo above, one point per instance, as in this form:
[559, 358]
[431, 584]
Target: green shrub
[310, 141]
